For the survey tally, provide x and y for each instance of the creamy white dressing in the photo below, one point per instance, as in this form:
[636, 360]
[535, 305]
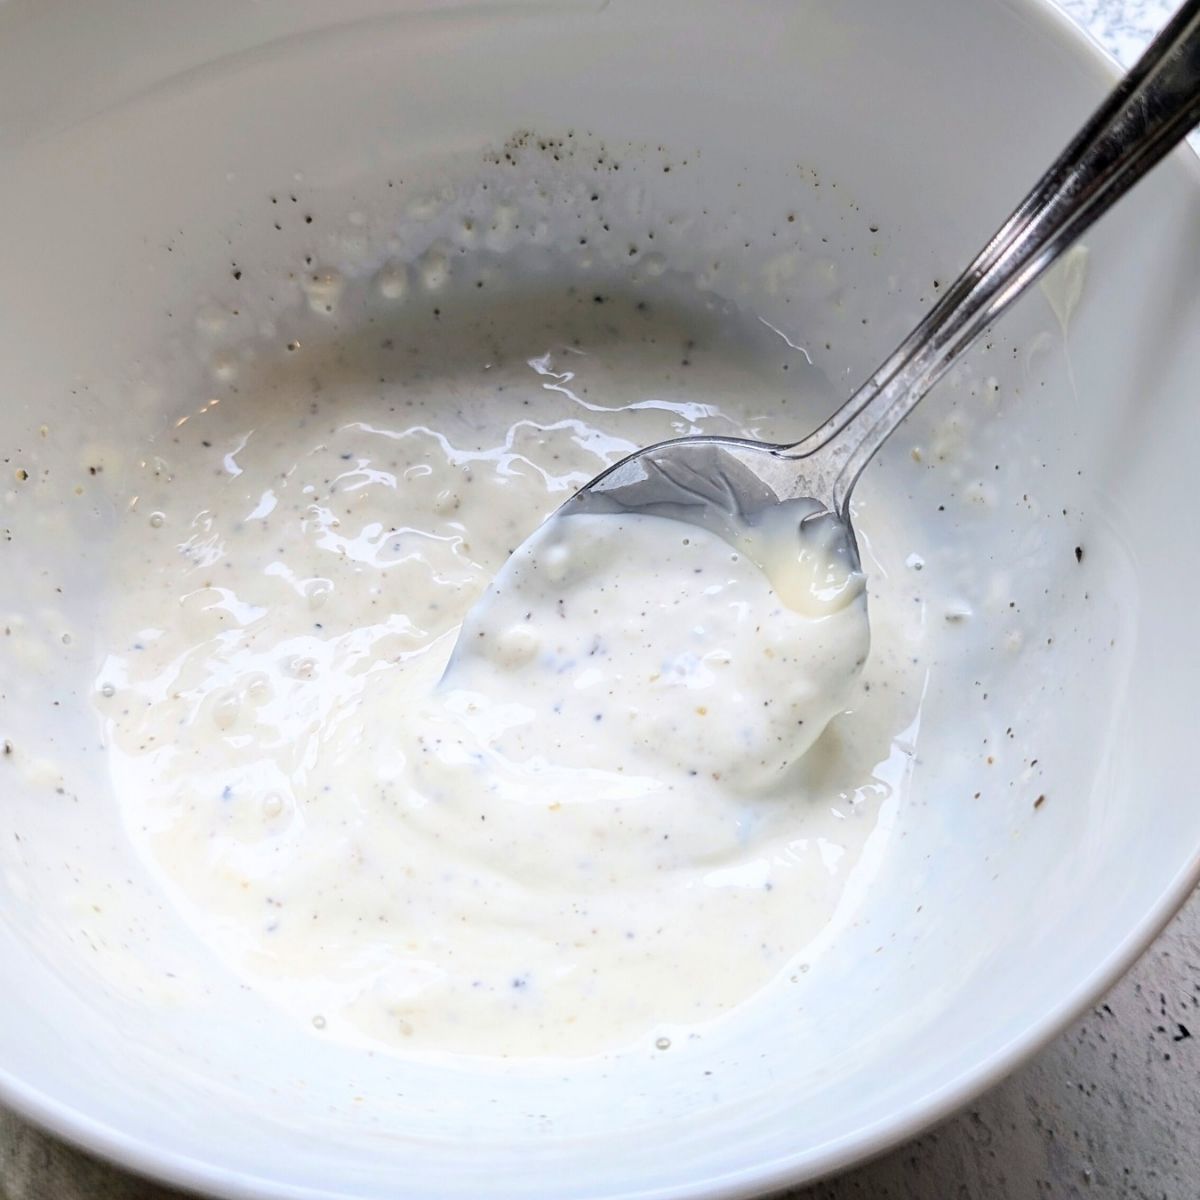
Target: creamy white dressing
[661, 649]
[631, 805]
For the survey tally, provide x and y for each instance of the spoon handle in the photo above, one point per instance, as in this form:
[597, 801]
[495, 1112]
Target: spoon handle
[1150, 111]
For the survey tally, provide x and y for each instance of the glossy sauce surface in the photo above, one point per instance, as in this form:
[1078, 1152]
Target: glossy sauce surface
[617, 821]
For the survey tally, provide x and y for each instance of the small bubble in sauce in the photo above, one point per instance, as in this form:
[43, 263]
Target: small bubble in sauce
[393, 282]
[652, 265]
[317, 592]
[224, 368]
[323, 289]
[663, 1043]
[212, 321]
[515, 646]
[302, 667]
[433, 268]
[446, 502]
[318, 1021]
[157, 520]
[258, 689]
[557, 563]
[226, 712]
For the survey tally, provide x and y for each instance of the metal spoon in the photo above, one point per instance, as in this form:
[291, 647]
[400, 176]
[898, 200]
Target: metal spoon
[717, 481]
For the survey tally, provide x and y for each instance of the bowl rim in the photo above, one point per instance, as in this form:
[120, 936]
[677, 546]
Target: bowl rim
[853, 1148]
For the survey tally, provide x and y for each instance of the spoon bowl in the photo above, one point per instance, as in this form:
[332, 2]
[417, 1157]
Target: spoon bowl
[725, 485]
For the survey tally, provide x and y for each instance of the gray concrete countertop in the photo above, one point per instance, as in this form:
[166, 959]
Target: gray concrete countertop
[1122, 27]
[1109, 1111]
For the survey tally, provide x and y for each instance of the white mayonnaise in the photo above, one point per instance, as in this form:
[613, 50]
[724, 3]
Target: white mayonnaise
[632, 799]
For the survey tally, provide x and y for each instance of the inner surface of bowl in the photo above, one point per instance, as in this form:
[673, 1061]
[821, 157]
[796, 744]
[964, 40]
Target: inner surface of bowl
[822, 167]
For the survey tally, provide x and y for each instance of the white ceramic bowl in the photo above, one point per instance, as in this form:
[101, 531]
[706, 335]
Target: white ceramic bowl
[138, 152]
